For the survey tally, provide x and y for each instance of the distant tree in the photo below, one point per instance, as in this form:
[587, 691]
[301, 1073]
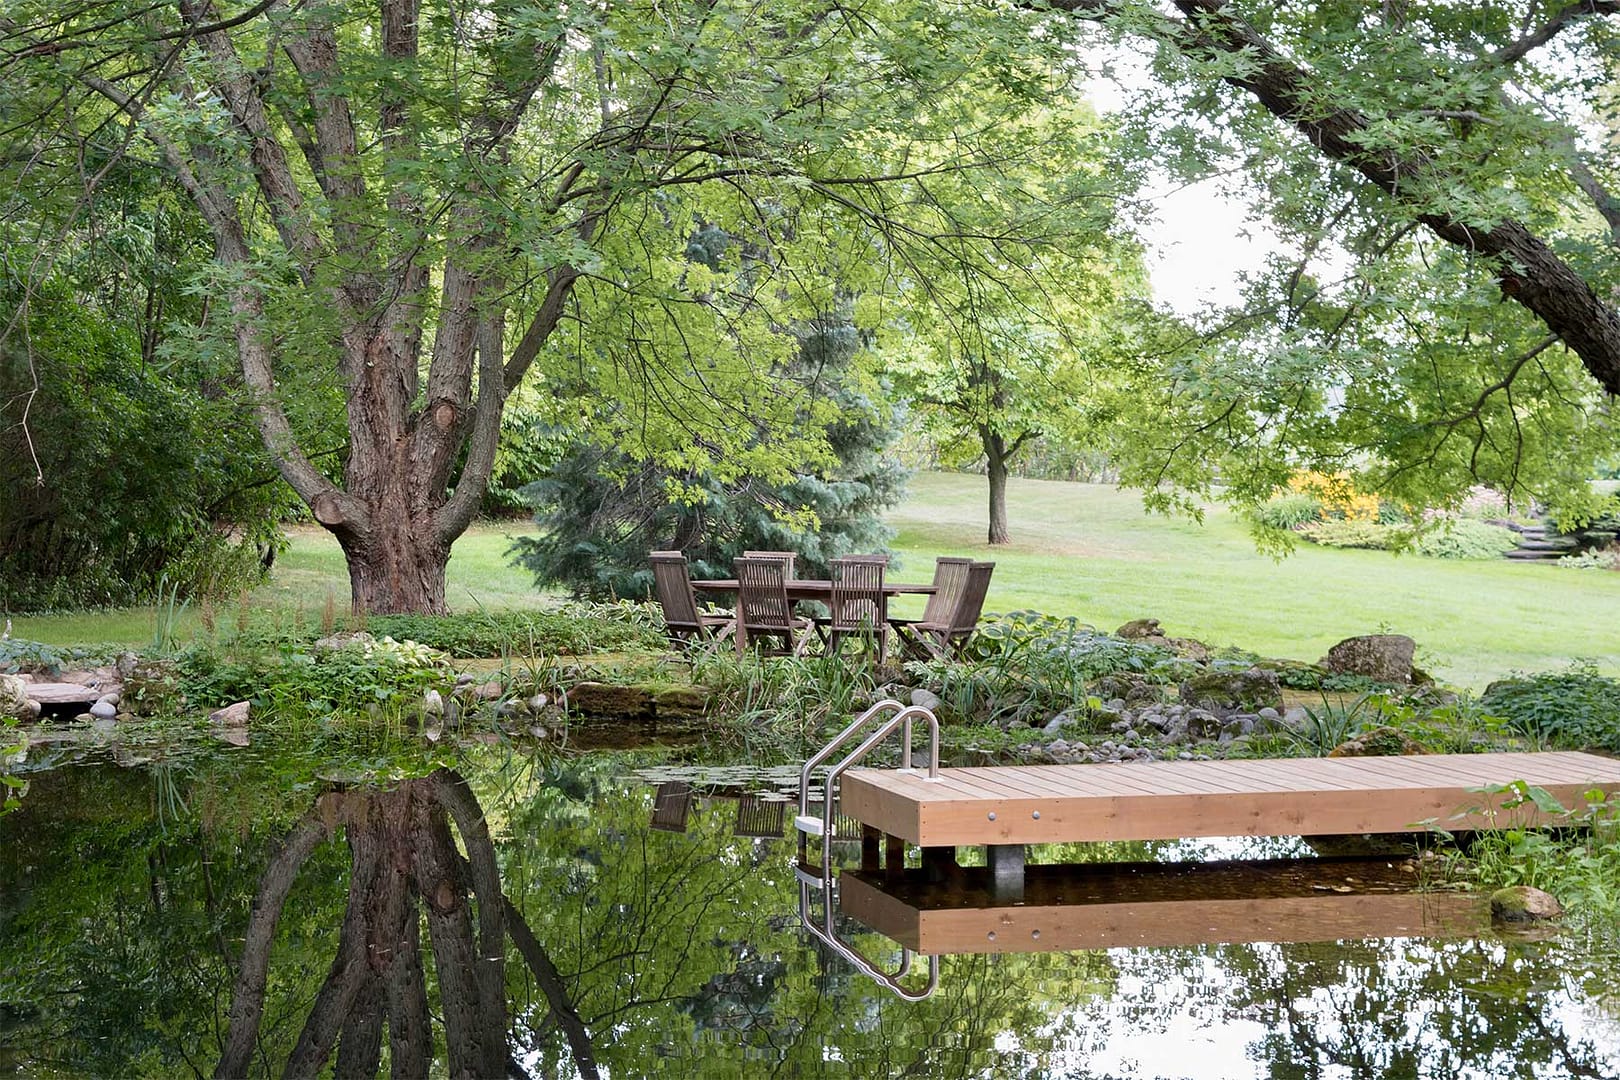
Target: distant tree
[996, 354]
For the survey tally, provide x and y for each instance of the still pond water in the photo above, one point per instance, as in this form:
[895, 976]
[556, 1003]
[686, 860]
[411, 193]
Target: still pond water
[132, 943]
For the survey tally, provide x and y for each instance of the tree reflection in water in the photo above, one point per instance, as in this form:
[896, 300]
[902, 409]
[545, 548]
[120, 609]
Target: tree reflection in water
[403, 866]
[135, 942]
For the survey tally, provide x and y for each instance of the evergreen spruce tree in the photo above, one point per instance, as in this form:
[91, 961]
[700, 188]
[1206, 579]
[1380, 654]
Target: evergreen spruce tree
[600, 512]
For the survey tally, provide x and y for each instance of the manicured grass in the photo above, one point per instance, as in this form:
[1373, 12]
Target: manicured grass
[1089, 551]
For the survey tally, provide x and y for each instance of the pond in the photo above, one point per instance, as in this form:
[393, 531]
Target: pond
[233, 911]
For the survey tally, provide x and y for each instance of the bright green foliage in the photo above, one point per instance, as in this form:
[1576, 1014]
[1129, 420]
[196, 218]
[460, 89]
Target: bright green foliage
[1393, 333]
[573, 630]
[1576, 708]
[1465, 538]
[1288, 511]
[1352, 534]
[128, 477]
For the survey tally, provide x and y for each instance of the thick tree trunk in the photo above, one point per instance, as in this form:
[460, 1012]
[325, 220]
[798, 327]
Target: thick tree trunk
[398, 565]
[996, 454]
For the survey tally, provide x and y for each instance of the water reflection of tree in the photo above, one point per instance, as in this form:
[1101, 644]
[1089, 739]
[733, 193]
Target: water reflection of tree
[1481, 1008]
[404, 869]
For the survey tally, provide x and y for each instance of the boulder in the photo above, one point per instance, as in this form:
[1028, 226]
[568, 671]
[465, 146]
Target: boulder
[335, 642]
[1385, 658]
[1226, 692]
[234, 715]
[1378, 742]
[1189, 649]
[1523, 904]
[1129, 689]
[925, 699]
[14, 697]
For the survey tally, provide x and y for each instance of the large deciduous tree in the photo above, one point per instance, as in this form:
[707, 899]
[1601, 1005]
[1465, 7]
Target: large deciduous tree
[1448, 310]
[431, 198]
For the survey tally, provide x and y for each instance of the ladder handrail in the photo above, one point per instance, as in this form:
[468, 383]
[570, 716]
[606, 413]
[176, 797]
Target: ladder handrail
[886, 705]
[829, 784]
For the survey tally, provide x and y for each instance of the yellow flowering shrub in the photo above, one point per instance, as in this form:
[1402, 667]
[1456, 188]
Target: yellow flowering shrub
[1337, 494]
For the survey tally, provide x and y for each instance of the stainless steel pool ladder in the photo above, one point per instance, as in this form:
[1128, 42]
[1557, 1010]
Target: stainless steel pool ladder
[888, 716]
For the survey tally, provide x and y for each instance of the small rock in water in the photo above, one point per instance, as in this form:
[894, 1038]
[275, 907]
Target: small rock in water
[234, 715]
[1524, 904]
[538, 702]
[104, 710]
[432, 702]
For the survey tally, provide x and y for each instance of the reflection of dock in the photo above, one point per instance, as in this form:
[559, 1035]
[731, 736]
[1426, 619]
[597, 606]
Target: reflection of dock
[1103, 906]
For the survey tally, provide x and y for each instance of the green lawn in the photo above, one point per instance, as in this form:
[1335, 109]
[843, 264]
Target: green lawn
[1090, 551]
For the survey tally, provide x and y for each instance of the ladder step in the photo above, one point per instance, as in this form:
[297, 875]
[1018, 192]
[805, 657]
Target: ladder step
[810, 826]
[815, 881]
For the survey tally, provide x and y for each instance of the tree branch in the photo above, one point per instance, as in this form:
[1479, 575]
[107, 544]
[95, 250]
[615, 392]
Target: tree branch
[1560, 21]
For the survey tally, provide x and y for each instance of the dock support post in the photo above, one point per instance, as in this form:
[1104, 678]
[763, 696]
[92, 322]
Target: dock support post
[1006, 863]
[871, 842]
[894, 856]
[939, 863]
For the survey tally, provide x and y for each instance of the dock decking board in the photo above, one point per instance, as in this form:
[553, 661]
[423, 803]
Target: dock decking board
[1170, 800]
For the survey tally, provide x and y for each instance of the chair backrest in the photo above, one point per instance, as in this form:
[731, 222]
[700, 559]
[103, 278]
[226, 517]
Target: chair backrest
[674, 585]
[950, 577]
[762, 601]
[971, 600]
[787, 557]
[857, 591]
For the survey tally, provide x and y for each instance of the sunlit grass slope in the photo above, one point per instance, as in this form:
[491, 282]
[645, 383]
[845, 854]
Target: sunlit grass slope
[1090, 551]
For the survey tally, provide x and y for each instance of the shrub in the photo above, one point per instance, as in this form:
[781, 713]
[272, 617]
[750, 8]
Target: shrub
[1607, 559]
[1337, 494]
[571, 630]
[1465, 538]
[1578, 707]
[1288, 511]
[1351, 534]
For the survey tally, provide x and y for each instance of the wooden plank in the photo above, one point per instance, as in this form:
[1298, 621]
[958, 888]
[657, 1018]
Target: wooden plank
[1168, 800]
[1140, 913]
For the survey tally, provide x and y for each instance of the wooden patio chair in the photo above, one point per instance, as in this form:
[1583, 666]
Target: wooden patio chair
[950, 578]
[947, 638]
[671, 804]
[788, 557]
[764, 612]
[684, 621]
[858, 606]
[759, 818]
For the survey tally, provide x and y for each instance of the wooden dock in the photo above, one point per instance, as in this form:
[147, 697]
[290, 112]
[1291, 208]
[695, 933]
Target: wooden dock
[1143, 905]
[1006, 807]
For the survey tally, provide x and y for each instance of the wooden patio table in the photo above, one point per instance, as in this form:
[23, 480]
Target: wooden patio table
[807, 589]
